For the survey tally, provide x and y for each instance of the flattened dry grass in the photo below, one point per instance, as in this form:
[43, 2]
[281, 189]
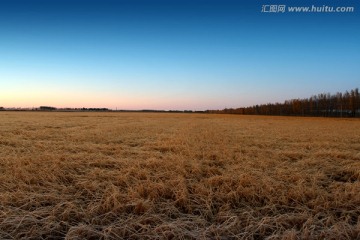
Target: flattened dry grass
[178, 176]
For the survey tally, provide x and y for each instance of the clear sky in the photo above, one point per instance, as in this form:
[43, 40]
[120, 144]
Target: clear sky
[174, 54]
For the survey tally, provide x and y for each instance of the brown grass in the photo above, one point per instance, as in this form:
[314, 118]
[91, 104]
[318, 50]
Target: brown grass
[178, 176]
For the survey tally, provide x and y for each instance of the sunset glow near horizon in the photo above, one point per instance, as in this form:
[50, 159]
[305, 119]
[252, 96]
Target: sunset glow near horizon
[172, 54]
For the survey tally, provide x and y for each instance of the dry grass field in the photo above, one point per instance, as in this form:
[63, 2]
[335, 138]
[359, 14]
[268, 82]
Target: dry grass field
[178, 176]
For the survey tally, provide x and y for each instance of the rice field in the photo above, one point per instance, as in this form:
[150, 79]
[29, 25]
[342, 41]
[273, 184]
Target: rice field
[178, 176]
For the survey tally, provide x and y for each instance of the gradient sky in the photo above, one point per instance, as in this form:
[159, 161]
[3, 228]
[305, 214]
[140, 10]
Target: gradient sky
[198, 54]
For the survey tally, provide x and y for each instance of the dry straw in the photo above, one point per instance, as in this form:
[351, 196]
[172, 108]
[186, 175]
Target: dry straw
[178, 176]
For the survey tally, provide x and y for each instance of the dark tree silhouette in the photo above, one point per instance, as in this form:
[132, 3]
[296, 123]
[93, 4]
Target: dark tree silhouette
[323, 105]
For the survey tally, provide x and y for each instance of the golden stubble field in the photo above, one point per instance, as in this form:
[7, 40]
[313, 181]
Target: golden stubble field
[178, 176]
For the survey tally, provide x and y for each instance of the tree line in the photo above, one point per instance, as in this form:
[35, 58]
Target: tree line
[345, 104]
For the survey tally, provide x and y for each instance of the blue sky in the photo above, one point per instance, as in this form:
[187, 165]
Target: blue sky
[172, 54]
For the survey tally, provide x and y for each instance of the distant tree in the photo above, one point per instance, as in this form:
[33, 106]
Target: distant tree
[47, 108]
[324, 104]
[357, 102]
